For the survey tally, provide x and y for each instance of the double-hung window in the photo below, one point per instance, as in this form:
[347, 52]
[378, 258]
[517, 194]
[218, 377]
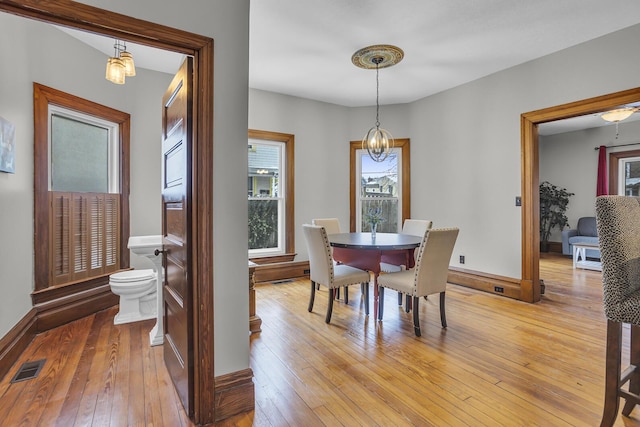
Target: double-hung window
[270, 193]
[380, 188]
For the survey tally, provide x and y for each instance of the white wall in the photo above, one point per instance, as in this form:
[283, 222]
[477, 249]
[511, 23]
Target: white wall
[569, 160]
[227, 22]
[36, 50]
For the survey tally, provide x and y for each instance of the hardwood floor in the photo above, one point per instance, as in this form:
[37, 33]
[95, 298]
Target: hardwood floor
[500, 362]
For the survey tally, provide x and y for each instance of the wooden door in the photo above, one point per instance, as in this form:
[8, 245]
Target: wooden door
[177, 136]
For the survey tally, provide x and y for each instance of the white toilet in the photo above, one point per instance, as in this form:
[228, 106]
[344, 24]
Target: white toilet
[138, 292]
[138, 289]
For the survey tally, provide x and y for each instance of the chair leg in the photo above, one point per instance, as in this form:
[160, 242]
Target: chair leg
[443, 315]
[337, 293]
[399, 298]
[346, 295]
[612, 374]
[318, 286]
[407, 304]
[634, 359]
[416, 316]
[332, 293]
[380, 302]
[365, 286]
[313, 295]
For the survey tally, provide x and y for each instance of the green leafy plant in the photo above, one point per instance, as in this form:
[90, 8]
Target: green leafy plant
[374, 216]
[553, 205]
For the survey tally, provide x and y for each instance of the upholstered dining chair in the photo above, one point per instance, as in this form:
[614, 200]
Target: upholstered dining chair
[325, 272]
[618, 222]
[429, 276]
[413, 227]
[332, 226]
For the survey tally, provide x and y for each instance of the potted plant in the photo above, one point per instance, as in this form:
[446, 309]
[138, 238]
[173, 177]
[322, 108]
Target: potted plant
[553, 205]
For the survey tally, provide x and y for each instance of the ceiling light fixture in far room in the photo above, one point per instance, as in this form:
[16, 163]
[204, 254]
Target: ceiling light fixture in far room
[120, 64]
[377, 140]
[618, 115]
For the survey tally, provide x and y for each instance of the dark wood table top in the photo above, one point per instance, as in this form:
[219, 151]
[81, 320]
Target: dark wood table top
[383, 241]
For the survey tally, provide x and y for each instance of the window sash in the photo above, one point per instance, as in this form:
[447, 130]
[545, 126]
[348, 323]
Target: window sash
[628, 186]
[394, 224]
[277, 193]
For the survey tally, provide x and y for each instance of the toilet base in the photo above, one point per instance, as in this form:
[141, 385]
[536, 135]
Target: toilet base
[136, 309]
[121, 318]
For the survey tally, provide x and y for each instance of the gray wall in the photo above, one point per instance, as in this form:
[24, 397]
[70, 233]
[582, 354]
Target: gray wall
[465, 145]
[569, 160]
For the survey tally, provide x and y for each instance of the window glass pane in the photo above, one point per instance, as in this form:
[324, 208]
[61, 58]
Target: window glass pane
[263, 224]
[379, 192]
[631, 177]
[79, 156]
[264, 167]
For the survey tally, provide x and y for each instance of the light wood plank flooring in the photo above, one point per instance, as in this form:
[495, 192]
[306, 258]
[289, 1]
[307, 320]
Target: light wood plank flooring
[500, 362]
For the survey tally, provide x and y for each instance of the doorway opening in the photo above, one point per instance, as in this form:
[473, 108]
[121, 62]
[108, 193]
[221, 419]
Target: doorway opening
[530, 283]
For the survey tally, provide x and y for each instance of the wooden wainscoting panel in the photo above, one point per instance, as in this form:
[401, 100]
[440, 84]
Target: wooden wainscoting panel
[16, 341]
[235, 394]
[281, 271]
[60, 311]
[498, 285]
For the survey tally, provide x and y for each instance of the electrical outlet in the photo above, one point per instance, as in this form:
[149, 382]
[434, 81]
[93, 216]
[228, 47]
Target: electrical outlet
[518, 201]
[499, 289]
[306, 271]
[461, 259]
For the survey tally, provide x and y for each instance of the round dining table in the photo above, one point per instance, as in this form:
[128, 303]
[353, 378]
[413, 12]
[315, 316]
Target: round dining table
[364, 251]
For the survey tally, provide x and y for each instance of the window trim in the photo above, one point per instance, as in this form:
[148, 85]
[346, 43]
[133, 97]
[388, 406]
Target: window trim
[43, 96]
[405, 154]
[289, 205]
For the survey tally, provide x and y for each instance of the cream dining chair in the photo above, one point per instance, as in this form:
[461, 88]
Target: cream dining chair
[618, 222]
[413, 227]
[429, 276]
[325, 272]
[332, 226]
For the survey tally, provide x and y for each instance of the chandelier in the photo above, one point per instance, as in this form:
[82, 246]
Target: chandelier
[378, 141]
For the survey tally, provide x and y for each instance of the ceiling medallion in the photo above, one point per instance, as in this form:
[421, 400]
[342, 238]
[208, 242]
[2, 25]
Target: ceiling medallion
[377, 56]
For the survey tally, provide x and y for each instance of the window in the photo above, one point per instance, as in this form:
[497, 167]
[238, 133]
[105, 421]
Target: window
[270, 194]
[624, 173]
[380, 185]
[83, 152]
[81, 175]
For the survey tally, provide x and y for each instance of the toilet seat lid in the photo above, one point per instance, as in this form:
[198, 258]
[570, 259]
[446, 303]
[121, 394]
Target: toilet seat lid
[133, 276]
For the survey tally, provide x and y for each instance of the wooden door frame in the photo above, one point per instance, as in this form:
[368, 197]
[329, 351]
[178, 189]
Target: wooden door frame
[88, 18]
[530, 283]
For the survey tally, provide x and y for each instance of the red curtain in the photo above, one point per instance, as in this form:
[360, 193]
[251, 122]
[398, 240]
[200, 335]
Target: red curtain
[602, 188]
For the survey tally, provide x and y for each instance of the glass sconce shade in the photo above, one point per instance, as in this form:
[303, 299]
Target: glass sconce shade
[378, 143]
[127, 59]
[115, 71]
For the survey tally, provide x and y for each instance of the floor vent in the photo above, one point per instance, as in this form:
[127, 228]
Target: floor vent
[279, 282]
[28, 370]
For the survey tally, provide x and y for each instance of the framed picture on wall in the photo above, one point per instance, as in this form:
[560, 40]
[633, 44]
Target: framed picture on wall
[7, 146]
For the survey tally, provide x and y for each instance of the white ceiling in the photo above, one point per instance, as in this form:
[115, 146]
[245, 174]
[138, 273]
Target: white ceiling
[303, 47]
